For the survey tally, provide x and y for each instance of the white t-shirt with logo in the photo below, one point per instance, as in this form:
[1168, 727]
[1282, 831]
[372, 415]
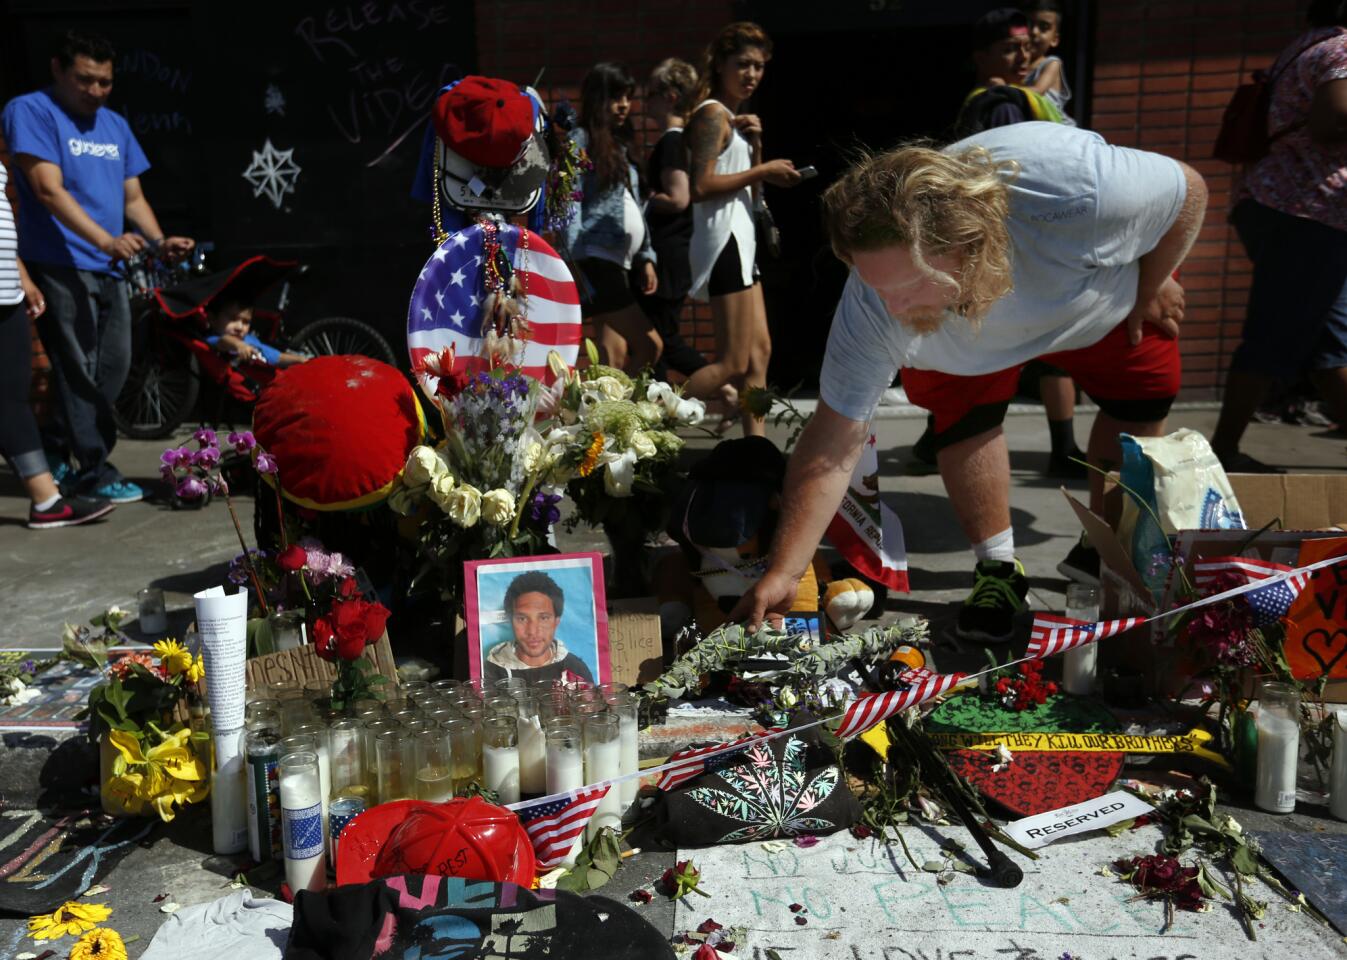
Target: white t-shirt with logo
[1082, 213]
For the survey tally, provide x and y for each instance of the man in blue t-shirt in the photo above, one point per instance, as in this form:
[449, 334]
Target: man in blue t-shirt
[80, 183]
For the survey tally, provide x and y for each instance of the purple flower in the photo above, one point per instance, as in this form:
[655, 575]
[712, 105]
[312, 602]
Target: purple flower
[806, 842]
[243, 442]
[265, 463]
[218, 486]
[191, 488]
[543, 507]
[176, 457]
[28, 666]
[167, 473]
[207, 458]
[205, 437]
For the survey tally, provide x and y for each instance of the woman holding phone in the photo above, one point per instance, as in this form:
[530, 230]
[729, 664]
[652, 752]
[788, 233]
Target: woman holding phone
[725, 170]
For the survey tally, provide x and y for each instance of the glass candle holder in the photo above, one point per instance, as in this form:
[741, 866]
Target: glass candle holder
[532, 747]
[410, 688]
[1080, 665]
[603, 761]
[575, 686]
[360, 707]
[465, 746]
[565, 758]
[302, 822]
[443, 713]
[500, 706]
[261, 754]
[346, 744]
[434, 765]
[500, 757]
[623, 704]
[473, 710]
[541, 687]
[259, 707]
[371, 730]
[296, 712]
[1278, 747]
[445, 686]
[153, 614]
[284, 689]
[395, 705]
[319, 733]
[611, 688]
[552, 707]
[583, 695]
[509, 685]
[287, 630]
[392, 775]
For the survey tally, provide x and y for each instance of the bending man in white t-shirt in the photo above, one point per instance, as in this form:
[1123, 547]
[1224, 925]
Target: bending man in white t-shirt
[1025, 241]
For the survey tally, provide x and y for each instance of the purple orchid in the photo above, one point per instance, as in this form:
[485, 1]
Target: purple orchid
[175, 458]
[218, 486]
[243, 442]
[205, 437]
[191, 488]
[207, 458]
[265, 463]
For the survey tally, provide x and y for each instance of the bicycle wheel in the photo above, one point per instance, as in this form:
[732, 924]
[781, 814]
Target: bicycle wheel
[343, 335]
[160, 392]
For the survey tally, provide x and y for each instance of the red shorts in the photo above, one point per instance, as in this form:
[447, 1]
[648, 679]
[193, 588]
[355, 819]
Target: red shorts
[1135, 384]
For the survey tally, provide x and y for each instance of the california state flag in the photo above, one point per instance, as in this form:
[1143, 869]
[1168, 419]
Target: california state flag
[865, 531]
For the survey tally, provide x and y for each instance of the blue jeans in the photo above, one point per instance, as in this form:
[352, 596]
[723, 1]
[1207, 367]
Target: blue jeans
[86, 332]
[20, 443]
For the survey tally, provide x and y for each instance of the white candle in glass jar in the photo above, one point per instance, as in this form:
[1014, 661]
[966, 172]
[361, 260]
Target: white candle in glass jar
[603, 760]
[630, 760]
[565, 768]
[1337, 784]
[501, 770]
[302, 823]
[1278, 752]
[532, 756]
[1079, 668]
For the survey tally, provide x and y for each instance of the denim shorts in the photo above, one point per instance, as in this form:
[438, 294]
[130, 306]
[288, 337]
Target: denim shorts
[1297, 313]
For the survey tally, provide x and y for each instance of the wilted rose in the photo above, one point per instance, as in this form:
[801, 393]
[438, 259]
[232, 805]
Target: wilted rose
[440, 489]
[424, 464]
[498, 507]
[464, 505]
[642, 445]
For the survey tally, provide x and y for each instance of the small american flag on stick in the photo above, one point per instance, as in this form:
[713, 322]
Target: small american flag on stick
[695, 761]
[872, 708]
[554, 825]
[1051, 634]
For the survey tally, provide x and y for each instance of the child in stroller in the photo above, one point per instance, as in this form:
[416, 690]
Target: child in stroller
[230, 323]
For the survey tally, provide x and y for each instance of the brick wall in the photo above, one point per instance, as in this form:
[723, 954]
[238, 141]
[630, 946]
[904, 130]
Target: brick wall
[1164, 71]
[517, 39]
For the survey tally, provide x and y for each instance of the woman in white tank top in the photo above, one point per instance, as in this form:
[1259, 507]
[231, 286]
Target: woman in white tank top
[725, 169]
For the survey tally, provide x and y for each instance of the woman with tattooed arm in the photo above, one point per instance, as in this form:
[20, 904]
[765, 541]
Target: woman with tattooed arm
[725, 170]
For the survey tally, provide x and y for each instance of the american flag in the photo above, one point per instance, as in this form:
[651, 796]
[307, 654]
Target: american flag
[1050, 635]
[554, 825]
[694, 761]
[872, 708]
[447, 302]
[1271, 602]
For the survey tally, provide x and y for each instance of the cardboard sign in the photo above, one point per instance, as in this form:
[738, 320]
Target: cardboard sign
[1316, 637]
[303, 663]
[1044, 828]
[634, 642]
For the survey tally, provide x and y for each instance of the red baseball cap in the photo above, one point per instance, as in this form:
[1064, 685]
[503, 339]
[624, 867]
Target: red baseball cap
[485, 120]
[464, 837]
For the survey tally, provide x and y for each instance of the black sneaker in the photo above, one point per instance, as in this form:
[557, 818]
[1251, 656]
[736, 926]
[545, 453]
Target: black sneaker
[1081, 564]
[988, 614]
[68, 512]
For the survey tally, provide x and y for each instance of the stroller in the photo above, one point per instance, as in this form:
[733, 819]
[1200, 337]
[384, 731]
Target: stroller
[170, 356]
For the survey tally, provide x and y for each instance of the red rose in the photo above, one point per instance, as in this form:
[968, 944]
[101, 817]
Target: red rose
[322, 639]
[376, 617]
[292, 558]
[348, 622]
[347, 588]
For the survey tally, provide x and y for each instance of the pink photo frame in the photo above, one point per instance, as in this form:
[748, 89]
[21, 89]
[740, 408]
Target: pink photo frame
[579, 638]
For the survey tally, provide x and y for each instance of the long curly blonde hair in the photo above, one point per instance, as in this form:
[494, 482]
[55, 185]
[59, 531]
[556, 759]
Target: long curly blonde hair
[933, 204]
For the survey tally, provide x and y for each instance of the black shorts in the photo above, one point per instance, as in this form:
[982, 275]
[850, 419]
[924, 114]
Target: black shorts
[727, 275]
[608, 289]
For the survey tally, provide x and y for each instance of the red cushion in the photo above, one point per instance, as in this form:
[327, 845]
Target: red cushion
[340, 429]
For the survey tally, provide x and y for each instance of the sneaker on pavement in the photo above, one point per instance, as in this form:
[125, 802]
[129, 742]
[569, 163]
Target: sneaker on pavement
[988, 614]
[1081, 564]
[60, 472]
[68, 512]
[120, 491]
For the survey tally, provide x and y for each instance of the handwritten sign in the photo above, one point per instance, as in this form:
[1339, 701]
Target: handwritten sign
[1196, 742]
[862, 900]
[1042, 829]
[303, 663]
[1316, 641]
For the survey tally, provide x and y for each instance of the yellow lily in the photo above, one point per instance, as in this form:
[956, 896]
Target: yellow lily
[169, 774]
[174, 656]
[197, 671]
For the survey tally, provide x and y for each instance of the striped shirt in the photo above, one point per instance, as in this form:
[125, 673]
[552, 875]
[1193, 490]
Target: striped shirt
[10, 290]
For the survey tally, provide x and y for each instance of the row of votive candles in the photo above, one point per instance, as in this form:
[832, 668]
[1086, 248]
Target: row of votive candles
[430, 742]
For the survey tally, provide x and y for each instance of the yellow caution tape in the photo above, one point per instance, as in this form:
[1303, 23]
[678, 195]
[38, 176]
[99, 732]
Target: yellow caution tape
[1194, 742]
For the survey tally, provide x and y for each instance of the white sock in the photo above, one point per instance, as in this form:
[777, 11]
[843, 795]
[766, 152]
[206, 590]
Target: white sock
[999, 547]
[48, 503]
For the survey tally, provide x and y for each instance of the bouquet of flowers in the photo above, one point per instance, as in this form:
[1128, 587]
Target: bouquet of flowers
[160, 762]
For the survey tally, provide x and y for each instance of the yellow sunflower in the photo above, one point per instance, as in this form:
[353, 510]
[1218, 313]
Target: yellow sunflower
[197, 671]
[99, 944]
[591, 458]
[69, 917]
[174, 656]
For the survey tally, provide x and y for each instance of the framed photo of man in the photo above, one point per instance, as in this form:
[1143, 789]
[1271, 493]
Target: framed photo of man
[537, 618]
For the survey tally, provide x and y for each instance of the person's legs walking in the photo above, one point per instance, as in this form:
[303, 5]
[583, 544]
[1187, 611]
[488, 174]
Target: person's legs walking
[736, 322]
[114, 353]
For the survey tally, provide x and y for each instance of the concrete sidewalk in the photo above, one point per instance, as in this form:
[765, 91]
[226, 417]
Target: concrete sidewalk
[48, 577]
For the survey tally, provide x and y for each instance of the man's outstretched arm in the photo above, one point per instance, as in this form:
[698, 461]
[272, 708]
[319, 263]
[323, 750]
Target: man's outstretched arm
[816, 478]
